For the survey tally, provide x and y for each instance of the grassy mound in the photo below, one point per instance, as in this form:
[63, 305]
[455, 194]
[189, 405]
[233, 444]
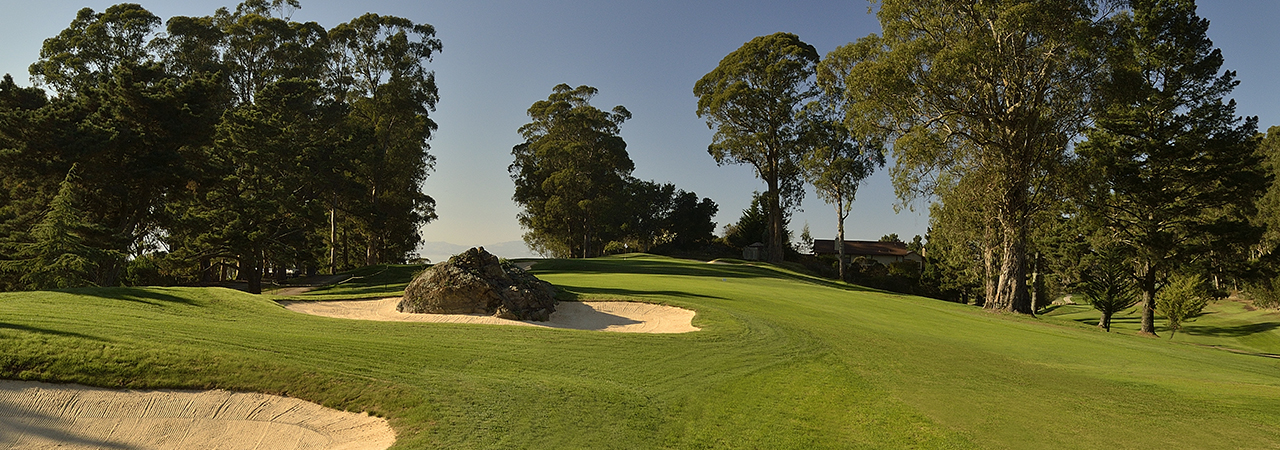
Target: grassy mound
[782, 361]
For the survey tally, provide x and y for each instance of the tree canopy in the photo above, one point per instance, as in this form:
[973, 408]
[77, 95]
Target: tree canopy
[239, 143]
[569, 171]
[980, 99]
[573, 180]
[751, 100]
[1176, 169]
[837, 160]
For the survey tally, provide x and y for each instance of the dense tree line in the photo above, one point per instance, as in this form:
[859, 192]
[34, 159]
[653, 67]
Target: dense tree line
[573, 180]
[236, 143]
[1058, 142]
[1149, 181]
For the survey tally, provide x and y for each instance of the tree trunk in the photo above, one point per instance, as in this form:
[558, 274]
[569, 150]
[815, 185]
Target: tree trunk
[1148, 286]
[840, 250]
[333, 239]
[370, 257]
[1013, 216]
[110, 275]
[1105, 323]
[586, 238]
[989, 267]
[1036, 281]
[774, 204]
[250, 266]
[280, 272]
[206, 271]
[1011, 288]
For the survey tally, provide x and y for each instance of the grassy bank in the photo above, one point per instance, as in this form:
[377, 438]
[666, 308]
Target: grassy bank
[783, 361]
[1229, 324]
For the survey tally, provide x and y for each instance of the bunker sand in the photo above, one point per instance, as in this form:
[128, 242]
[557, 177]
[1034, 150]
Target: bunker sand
[621, 317]
[40, 415]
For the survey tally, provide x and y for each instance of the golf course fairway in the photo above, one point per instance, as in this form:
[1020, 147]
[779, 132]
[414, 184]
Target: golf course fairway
[782, 360]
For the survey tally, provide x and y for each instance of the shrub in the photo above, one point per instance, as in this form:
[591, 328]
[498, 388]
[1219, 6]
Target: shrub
[1183, 298]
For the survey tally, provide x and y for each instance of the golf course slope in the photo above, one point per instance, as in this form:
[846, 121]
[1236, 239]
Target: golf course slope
[782, 360]
[39, 415]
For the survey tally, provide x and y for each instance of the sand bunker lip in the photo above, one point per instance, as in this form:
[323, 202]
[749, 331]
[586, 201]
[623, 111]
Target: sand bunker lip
[42, 415]
[621, 317]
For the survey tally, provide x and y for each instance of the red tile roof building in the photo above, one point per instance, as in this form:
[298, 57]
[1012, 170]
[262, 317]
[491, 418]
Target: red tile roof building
[882, 252]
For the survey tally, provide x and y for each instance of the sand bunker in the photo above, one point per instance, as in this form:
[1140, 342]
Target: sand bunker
[40, 415]
[622, 317]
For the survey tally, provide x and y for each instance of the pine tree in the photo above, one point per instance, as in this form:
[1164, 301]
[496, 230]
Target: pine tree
[1176, 170]
[57, 257]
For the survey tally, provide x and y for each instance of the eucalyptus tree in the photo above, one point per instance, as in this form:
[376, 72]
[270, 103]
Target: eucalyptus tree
[191, 46]
[87, 52]
[570, 172]
[162, 126]
[752, 100]
[378, 65]
[988, 94]
[838, 161]
[645, 208]
[1177, 172]
[963, 247]
[260, 48]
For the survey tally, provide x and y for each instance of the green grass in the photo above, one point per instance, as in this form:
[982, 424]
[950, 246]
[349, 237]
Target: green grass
[367, 282]
[1231, 324]
[783, 361]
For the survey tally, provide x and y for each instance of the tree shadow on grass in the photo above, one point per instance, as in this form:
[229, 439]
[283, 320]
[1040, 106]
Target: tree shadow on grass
[339, 289]
[147, 296]
[1230, 331]
[1117, 321]
[31, 329]
[645, 266]
[612, 266]
[575, 293]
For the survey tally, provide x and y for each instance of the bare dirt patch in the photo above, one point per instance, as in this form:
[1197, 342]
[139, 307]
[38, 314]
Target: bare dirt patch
[622, 317]
[40, 415]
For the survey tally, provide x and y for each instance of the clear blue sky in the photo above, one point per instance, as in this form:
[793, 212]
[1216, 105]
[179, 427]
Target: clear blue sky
[501, 56]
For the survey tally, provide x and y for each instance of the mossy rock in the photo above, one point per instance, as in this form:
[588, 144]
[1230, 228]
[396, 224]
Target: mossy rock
[476, 282]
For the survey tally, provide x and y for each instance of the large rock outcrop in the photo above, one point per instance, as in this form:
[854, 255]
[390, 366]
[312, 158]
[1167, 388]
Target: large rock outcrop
[475, 282]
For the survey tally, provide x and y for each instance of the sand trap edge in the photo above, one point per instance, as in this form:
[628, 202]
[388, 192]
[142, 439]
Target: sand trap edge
[620, 317]
[44, 415]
